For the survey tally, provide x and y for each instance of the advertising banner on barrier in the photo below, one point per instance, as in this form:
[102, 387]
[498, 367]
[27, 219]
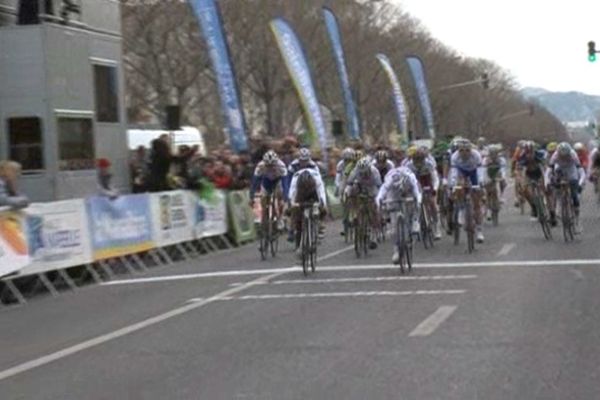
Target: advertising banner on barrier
[58, 236]
[210, 214]
[173, 220]
[241, 216]
[121, 226]
[14, 253]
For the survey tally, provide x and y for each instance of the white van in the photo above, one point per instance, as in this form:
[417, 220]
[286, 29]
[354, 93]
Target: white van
[186, 136]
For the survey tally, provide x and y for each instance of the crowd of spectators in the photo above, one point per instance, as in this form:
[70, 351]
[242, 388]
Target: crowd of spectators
[162, 168]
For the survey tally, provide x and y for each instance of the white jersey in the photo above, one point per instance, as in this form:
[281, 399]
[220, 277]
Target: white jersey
[429, 167]
[369, 182]
[569, 167]
[389, 191]
[499, 166]
[320, 186]
[466, 165]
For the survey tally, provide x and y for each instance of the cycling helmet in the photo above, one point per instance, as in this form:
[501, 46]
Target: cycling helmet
[411, 151]
[363, 164]
[270, 157]
[578, 146]
[348, 153]
[551, 147]
[454, 143]
[481, 141]
[381, 156]
[465, 144]
[304, 154]
[528, 146]
[420, 154]
[495, 149]
[564, 149]
[358, 155]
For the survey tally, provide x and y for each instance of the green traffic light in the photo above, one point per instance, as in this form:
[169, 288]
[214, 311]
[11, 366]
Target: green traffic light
[592, 57]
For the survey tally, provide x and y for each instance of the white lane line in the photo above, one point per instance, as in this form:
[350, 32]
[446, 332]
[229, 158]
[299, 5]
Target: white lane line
[369, 279]
[200, 276]
[539, 263]
[18, 369]
[431, 323]
[338, 294]
[507, 248]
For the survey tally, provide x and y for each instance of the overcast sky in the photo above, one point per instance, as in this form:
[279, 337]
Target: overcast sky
[543, 43]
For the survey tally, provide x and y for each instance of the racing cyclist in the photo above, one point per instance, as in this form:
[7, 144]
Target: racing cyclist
[268, 176]
[383, 163]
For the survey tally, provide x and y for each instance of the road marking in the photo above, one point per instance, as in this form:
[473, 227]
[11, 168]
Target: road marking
[16, 370]
[507, 248]
[539, 263]
[201, 275]
[369, 279]
[429, 325]
[38, 362]
[336, 294]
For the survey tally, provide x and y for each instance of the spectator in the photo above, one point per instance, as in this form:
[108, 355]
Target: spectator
[10, 171]
[160, 165]
[221, 177]
[104, 177]
[139, 170]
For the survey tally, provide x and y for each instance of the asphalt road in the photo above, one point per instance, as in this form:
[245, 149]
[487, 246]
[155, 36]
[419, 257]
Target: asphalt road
[518, 319]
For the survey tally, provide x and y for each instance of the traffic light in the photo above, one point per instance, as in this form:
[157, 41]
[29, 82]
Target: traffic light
[592, 51]
[485, 80]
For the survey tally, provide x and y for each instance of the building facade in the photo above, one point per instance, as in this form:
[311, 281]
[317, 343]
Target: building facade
[62, 94]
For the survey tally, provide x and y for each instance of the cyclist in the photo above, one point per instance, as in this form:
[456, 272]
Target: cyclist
[565, 163]
[268, 176]
[467, 163]
[365, 179]
[550, 149]
[495, 167]
[594, 167]
[383, 163]
[422, 166]
[582, 154]
[399, 184]
[303, 161]
[306, 187]
[531, 164]
[482, 146]
[347, 158]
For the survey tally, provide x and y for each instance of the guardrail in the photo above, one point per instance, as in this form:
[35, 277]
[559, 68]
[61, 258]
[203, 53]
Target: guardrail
[100, 236]
[69, 244]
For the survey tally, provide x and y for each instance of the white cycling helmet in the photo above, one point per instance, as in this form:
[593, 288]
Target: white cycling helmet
[270, 157]
[363, 164]
[348, 153]
[578, 146]
[304, 154]
[564, 149]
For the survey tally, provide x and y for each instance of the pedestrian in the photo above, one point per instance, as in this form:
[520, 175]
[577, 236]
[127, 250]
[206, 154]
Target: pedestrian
[10, 171]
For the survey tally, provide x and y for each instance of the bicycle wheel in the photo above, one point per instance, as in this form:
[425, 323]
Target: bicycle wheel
[314, 244]
[305, 243]
[566, 217]
[264, 242]
[542, 211]
[470, 227]
[424, 221]
[456, 225]
[401, 241]
[357, 238]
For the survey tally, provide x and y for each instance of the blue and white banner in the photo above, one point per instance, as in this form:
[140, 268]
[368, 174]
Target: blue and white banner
[209, 18]
[58, 236]
[418, 73]
[121, 226]
[340, 59]
[297, 65]
[398, 96]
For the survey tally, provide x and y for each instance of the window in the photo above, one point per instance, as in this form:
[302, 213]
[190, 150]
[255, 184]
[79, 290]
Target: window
[107, 97]
[75, 144]
[25, 142]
